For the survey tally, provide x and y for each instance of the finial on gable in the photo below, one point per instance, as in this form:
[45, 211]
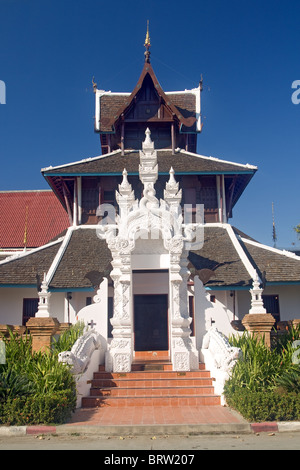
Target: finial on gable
[147, 44]
[94, 85]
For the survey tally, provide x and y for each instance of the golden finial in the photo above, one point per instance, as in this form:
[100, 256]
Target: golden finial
[147, 44]
[147, 40]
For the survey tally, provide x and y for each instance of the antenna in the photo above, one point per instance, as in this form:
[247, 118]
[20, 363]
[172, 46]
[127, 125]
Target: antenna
[274, 235]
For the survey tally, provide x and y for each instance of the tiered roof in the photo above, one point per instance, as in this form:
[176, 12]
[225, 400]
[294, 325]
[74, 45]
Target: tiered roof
[183, 163]
[79, 260]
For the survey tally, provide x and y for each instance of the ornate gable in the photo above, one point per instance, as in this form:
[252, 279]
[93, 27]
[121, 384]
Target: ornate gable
[173, 118]
[146, 94]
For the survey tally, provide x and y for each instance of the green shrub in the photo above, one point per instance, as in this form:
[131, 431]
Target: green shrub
[41, 409]
[289, 381]
[259, 367]
[265, 384]
[13, 384]
[265, 406]
[66, 340]
[34, 387]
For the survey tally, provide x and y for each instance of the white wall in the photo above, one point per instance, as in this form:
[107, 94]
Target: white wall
[244, 303]
[96, 312]
[11, 304]
[208, 313]
[56, 306]
[289, 301]
[76, 303]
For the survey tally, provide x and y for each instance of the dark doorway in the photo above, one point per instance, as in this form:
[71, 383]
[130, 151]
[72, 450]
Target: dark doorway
[271, 304]
[151, 322]
[30, 308]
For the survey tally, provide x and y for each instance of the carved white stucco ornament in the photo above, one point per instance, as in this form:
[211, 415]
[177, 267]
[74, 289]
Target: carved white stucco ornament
[220, 358]
[80, 355]
[224, 355]
[257, 304]
[44, 296]
[150, 219]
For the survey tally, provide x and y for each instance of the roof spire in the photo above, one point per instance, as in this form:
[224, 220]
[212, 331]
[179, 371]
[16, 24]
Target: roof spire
[147, 44]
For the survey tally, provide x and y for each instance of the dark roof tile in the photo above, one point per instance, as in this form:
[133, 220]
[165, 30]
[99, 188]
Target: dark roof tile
[219, 256]
[28, 269]
[85, 261]
[182, 162]
[277, 266]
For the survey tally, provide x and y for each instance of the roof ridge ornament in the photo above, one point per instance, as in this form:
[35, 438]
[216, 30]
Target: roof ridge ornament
[147, 45]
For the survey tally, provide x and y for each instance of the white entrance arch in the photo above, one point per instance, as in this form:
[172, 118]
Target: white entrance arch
[140, 222]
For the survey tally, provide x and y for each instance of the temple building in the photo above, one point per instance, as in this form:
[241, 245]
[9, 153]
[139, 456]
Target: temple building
[147, 254]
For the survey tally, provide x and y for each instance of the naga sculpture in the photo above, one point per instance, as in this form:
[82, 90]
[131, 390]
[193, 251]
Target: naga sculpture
[224, 355]
[80, 355]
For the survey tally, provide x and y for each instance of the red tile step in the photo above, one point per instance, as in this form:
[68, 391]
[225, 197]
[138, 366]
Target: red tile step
[152, 375]
[203, 400]
[152, 391]
[127, 382]
[151, 365]
[139, 365]
[145, 386]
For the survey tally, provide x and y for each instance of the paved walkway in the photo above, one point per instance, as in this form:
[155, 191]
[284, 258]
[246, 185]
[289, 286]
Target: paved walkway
[138, 415]
[167, 419]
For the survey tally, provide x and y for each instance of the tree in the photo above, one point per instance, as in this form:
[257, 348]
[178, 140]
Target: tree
[297, 230]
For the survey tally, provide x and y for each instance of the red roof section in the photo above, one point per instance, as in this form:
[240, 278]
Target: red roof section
[35, 216]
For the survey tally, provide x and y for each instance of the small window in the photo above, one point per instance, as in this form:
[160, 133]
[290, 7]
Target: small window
[271, 304]
[30, 308]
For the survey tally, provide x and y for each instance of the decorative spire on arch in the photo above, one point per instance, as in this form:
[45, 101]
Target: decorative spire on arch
[147, 45]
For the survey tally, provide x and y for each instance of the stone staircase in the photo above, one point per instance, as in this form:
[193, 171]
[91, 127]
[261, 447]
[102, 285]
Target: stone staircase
[151, 383]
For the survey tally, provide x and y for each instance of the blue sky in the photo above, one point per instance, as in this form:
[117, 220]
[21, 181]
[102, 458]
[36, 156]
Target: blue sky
[248, 53]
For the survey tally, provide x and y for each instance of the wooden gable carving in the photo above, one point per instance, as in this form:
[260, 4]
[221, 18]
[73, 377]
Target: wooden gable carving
[149, 102]
[147, 105]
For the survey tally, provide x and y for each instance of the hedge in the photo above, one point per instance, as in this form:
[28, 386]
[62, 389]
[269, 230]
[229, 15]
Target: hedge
[265, 405]
[35, 388]
[42, 409]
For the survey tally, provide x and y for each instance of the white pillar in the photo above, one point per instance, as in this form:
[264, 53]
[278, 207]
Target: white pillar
[224, 215]
[119, 355]
[79, 191]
